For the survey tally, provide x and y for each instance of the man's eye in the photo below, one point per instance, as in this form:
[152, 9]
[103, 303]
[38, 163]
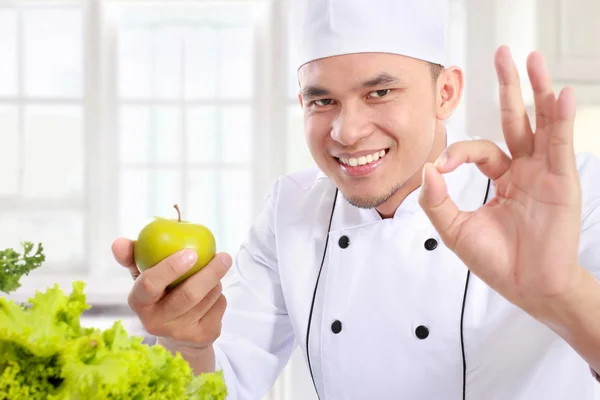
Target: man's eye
[380, 93]
[323, 102]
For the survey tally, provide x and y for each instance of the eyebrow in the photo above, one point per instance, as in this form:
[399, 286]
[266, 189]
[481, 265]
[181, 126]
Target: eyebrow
[311, 91]
[382, 78]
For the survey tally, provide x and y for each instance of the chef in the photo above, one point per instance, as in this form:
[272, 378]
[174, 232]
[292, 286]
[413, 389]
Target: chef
[415, 262]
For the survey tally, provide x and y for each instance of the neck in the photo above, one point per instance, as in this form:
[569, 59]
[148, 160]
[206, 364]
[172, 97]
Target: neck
[388, 209]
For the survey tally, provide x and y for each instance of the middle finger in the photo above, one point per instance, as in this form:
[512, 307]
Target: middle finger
[515, 121]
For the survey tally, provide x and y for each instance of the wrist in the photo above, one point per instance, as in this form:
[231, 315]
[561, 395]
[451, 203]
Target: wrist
[200, 357]
[181, 346]
[566, 312]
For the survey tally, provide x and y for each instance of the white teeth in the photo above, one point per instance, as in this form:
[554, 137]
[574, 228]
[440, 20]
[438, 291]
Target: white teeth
[363, 160]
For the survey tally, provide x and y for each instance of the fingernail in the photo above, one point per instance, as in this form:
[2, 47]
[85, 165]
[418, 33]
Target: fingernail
[226, 260]
[424, 178]
[189, 256]
[442, 160]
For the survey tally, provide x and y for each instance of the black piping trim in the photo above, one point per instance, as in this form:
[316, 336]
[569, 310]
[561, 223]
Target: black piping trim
[312, 305]
[462, 315]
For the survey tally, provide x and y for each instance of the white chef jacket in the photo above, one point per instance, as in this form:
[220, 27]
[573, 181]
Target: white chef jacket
[396, 315]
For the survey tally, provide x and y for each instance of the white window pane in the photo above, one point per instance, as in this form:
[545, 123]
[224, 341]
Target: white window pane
[218, 46]
[297, 153]
[202, 134]
[236, 71]
[8, 52]
[9, 160]
[134, 52]
[150, 62]
[53, 52]
[201, 63]
[236, 122]
[61, 233]
[203, 201]
[150, 134]
[145, 194]
[54, 150]
[237, 203]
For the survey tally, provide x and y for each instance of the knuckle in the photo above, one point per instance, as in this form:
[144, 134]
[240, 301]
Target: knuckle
[217, 274]
[215, 333]
[131, 301]
[221, 304]
[557, 140]
[172, 264]
[188, 294]
[145, 284]
[153, 329]
[156, 327]
[219, 287]
[153, 324]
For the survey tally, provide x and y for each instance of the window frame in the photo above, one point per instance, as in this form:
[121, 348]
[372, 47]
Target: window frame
[106, 283]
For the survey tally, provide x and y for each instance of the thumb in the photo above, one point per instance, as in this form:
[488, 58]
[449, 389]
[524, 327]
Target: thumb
[445, 217]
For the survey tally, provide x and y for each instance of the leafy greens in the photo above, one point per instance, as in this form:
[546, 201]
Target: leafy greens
[46, 354]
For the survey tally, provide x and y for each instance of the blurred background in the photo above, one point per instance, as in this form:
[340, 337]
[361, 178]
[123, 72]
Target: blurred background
[113, 111]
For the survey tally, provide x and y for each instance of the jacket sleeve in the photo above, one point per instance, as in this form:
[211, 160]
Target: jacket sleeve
[256, 339]
[589, 247]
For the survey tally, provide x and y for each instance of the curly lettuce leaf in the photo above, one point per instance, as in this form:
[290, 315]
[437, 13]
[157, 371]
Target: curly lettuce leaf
[207, 387]
[14, 265]
[47, 325]
[46, 354]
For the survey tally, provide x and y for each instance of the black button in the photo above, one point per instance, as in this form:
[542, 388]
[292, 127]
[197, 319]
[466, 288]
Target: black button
[344, 242]
[431, 244]
[422, 332]
[336, 327]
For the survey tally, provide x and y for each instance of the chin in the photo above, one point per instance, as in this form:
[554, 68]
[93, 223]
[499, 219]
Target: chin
[367, 201]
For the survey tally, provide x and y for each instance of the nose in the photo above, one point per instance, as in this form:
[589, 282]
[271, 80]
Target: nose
[351, 125]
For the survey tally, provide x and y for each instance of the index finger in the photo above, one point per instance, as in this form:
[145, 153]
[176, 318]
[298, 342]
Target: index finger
[150, 285]
[123, 253]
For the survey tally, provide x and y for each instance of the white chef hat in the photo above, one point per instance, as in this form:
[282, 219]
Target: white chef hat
[324, 28]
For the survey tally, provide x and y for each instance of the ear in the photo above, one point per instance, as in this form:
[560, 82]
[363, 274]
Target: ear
[300, 99]
[449, 88]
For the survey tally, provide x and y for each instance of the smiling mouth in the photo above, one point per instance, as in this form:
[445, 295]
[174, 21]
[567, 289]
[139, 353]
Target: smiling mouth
[362, 160]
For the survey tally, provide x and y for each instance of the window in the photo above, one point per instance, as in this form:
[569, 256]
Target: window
[185, 109]
[113, 111]
[42, 132]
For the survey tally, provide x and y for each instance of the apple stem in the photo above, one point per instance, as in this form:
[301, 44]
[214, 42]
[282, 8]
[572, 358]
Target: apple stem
[178, 213]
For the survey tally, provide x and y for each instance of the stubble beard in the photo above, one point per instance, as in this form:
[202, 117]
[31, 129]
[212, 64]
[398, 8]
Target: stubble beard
[369, 202]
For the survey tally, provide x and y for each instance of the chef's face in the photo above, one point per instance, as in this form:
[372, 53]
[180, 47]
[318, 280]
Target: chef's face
[373, 120]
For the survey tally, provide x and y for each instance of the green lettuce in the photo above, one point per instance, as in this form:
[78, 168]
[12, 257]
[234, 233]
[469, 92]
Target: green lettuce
[13, 265]
[45, 353]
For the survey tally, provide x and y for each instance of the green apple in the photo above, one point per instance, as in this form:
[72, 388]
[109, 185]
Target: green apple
[163, 237]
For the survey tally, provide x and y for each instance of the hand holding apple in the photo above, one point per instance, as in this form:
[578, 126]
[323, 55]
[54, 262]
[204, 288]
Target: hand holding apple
[187, 318]
[163, 237]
